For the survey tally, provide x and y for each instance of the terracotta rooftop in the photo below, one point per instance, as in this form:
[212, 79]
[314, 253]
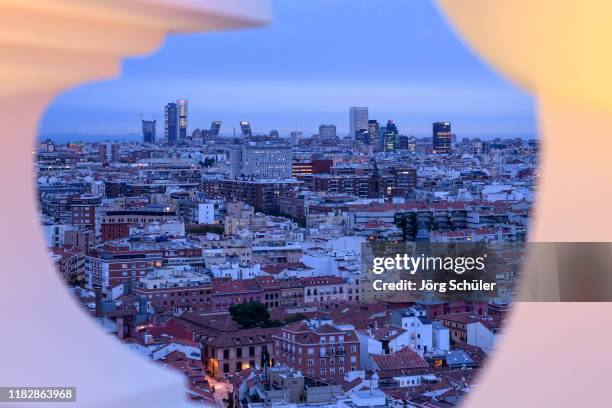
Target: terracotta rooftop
[404, 359]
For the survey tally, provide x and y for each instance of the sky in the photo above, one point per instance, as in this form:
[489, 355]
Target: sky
[307, 67]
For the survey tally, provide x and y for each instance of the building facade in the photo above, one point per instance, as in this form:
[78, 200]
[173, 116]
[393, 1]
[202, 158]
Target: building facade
[442, 138]
[358, 120]
[171, 124]
[148, 131]
[318, 348]
[182, 119]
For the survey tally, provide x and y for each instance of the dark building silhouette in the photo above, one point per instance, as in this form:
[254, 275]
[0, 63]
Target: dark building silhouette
[363, 136]
[391, 141]
[245, 127]
[373, 129]
[215, 126]
[171, 124]
[380, 142]
[148, 131]
[442, 137]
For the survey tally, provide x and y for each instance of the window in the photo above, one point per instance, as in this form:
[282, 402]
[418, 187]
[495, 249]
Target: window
[226, 368]
[310, 362]
[239, 352]
[238, 366]
[252, 351]
[226, 354]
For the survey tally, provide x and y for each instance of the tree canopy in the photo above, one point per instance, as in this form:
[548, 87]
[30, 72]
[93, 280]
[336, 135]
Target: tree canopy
[251, 314]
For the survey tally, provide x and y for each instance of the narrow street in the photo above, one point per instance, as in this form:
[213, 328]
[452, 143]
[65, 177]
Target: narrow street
[221, 389]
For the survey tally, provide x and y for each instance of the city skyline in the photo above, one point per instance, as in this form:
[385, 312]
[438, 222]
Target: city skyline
[277, 77]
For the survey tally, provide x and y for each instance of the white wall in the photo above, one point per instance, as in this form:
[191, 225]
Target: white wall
[206, 213]
[420, 334]
[368, 346]
[408, 380]
[480, 336]
[441, 337]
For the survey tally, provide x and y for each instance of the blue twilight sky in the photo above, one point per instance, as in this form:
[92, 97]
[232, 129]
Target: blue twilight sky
[315, 59]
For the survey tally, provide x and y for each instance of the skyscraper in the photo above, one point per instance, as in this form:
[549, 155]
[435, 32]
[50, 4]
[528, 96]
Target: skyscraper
[358, 119]
[442, 137]
[380, 141]
[215, 126]
[182, 120]
[391, 142]
[412, 144]
[373, 128]
[148, 131]
[245, 127]
[363, 136]
[171, 124]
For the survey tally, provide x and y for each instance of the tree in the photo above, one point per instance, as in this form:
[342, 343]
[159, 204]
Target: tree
[251, 314]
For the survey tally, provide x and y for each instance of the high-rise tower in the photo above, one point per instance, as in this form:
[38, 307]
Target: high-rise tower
[373, 128]
[215, 126]
[182, 120]
[171, 124]
[442, 137]
[391, 141]
[148, 131]
[245, 127]
[358, 120]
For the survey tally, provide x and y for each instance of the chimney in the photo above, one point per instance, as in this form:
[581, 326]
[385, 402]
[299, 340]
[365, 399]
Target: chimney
[98, 293]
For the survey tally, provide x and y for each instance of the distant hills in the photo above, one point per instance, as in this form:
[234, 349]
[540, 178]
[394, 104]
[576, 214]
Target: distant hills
[84, 137]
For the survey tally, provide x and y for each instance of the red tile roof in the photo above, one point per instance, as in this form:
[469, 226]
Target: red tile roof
[402, 360]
